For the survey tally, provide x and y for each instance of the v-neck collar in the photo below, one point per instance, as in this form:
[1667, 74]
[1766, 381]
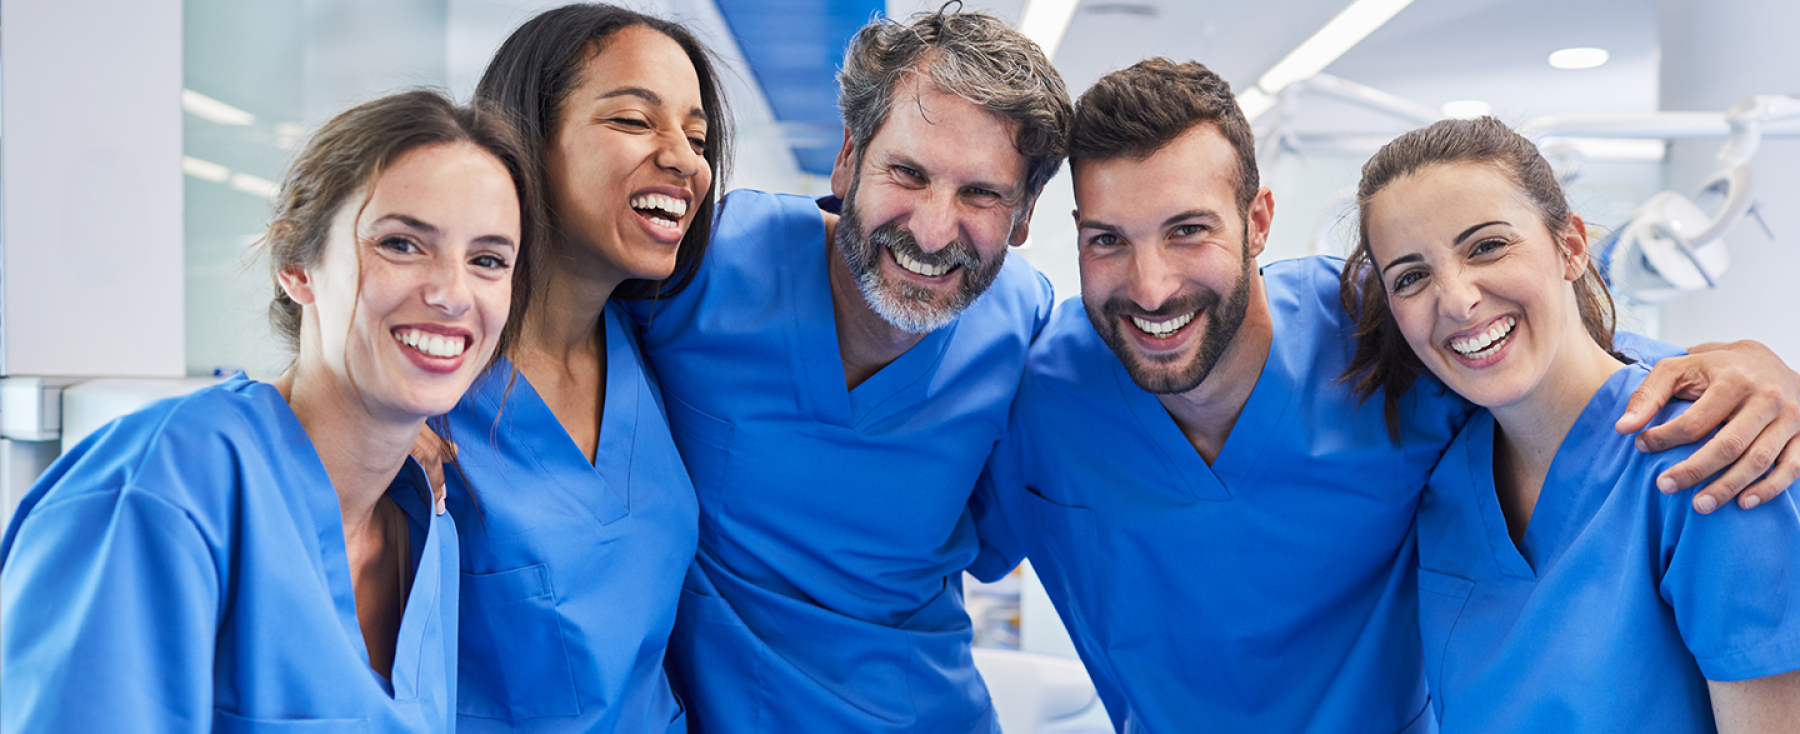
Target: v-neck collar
[1230, 473]
[1564, 503]
[411, 491]
[555, 453]
[815, 347]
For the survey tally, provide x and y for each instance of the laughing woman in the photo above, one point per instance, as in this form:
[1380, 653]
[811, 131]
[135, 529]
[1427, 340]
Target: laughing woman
[1558, 590]
[578, 518]
[259, 555]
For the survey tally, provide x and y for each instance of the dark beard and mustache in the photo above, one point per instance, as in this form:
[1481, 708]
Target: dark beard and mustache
[908, 307]
[1224, 316]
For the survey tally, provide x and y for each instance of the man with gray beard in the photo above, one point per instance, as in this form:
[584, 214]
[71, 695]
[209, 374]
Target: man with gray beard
[836, 377]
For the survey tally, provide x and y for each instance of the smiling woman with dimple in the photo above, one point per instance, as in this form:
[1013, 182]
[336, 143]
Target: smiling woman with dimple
[1548, 565]
[262, 556]
[578, 516]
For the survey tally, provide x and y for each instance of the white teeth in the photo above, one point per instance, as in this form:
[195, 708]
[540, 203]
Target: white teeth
[1486, 343]
[929, 271]
[1163, 329]
[661, 210]
[432, 344]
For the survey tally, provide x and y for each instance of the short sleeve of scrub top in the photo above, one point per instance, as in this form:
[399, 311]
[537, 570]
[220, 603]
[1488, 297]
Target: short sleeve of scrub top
[834, 525]
[183, 570]
[1619, 602]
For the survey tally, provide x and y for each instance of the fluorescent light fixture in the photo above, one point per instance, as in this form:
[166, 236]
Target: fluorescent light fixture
[1350, 27]
[1578, 58]
[255, 185]
[1620, 149]
[204, 170]
[202, 106]
[1466, 109]
[1254, 102]
[1044, 21]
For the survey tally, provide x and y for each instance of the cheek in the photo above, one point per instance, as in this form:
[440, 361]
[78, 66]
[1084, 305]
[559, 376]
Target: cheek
[1414, 320]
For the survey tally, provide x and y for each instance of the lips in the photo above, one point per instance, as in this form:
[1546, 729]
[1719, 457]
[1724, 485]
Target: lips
[1163, 328]
[1485, 342]
[434, 348]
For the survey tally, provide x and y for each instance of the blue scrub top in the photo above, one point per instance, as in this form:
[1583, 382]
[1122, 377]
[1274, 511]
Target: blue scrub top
[1272, 591]
[1619, 603]
[571, 570]
[183, 570]
[826, 596]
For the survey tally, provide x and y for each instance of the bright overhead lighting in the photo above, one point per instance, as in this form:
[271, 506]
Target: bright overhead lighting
[1044, 21]
[255, 185]
[204, 170]
[1254, 102]
[202, 106]
[1578, 58]
[1466, 109]
[1350, 27]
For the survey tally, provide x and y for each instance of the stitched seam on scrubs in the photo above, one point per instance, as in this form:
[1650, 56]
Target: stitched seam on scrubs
[1757, 661]
[118, 498]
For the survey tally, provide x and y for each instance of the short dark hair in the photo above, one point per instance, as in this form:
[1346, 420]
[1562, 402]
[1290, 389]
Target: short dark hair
[1383, 361]
[1136, 111]
[350, 152]
[974, 56]
[541, 64]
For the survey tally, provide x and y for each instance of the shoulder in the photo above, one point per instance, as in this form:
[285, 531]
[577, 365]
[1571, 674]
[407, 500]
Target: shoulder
[1068, 355]
[748, 218]
[1020, 291]
[1307, 286]
[179, 450]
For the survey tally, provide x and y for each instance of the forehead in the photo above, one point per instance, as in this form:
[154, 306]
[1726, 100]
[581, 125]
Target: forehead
[1435, 204]
[1196, 171]
[950, 134]
[640, 56]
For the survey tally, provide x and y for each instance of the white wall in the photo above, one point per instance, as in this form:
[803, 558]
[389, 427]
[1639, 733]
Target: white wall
[92, 188]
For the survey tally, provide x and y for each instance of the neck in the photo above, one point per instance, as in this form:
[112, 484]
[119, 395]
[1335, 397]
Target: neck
[1533, 427]
[561, 325]
[361, 451]
[866, 341]
[1207, 413]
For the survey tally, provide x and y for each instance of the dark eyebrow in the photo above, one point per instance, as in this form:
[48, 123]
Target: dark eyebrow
[1403, 259]
[496, 240]
[1474, 229]
[410, 223]
[639, 92]
[1102, 226]
[1194, 214]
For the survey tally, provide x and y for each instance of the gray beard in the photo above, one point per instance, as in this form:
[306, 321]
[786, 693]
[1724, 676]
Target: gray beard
[910, 308]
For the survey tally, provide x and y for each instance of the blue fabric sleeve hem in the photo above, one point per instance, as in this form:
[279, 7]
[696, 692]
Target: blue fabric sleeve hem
[1760, 662]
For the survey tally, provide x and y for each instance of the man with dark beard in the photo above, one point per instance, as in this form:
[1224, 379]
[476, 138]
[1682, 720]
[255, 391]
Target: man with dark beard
[835, 383]
[1224, 527]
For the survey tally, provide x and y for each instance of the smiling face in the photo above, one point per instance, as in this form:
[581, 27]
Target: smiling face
[1166, 259]
[410, 295]
[625, 165]
[930, 206]
[1478, 285]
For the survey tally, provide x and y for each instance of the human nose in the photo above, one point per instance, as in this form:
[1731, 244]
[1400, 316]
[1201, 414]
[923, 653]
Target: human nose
[936, 224]
[677, 155]
[447, 288]
[1153, 282]
[1458, 294]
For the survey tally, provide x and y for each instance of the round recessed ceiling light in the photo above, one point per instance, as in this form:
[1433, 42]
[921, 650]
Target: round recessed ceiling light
[1466, 108]
[1578, 58]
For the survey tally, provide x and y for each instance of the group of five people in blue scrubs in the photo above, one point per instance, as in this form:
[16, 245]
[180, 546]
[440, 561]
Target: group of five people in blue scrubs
[759, 455]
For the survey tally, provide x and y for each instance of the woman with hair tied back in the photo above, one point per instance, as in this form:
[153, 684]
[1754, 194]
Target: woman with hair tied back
[259, 556]
[577, 515]
[1557, 591]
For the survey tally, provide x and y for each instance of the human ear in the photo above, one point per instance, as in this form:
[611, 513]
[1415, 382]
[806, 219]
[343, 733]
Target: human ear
[1023, 229]
[1574, 246]
[843, 171]
[1260, 217]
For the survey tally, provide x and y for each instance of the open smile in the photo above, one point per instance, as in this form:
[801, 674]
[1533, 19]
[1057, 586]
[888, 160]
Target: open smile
[1481, 347]
[438, 349]
[660, 212]
[907, 263]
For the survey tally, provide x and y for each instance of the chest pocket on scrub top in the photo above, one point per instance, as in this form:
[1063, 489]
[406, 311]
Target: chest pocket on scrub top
[1441, 601]
[512, 663]
[1070, 542]
[225, 722]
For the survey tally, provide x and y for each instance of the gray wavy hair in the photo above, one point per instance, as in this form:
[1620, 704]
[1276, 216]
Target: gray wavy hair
[972, 55]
